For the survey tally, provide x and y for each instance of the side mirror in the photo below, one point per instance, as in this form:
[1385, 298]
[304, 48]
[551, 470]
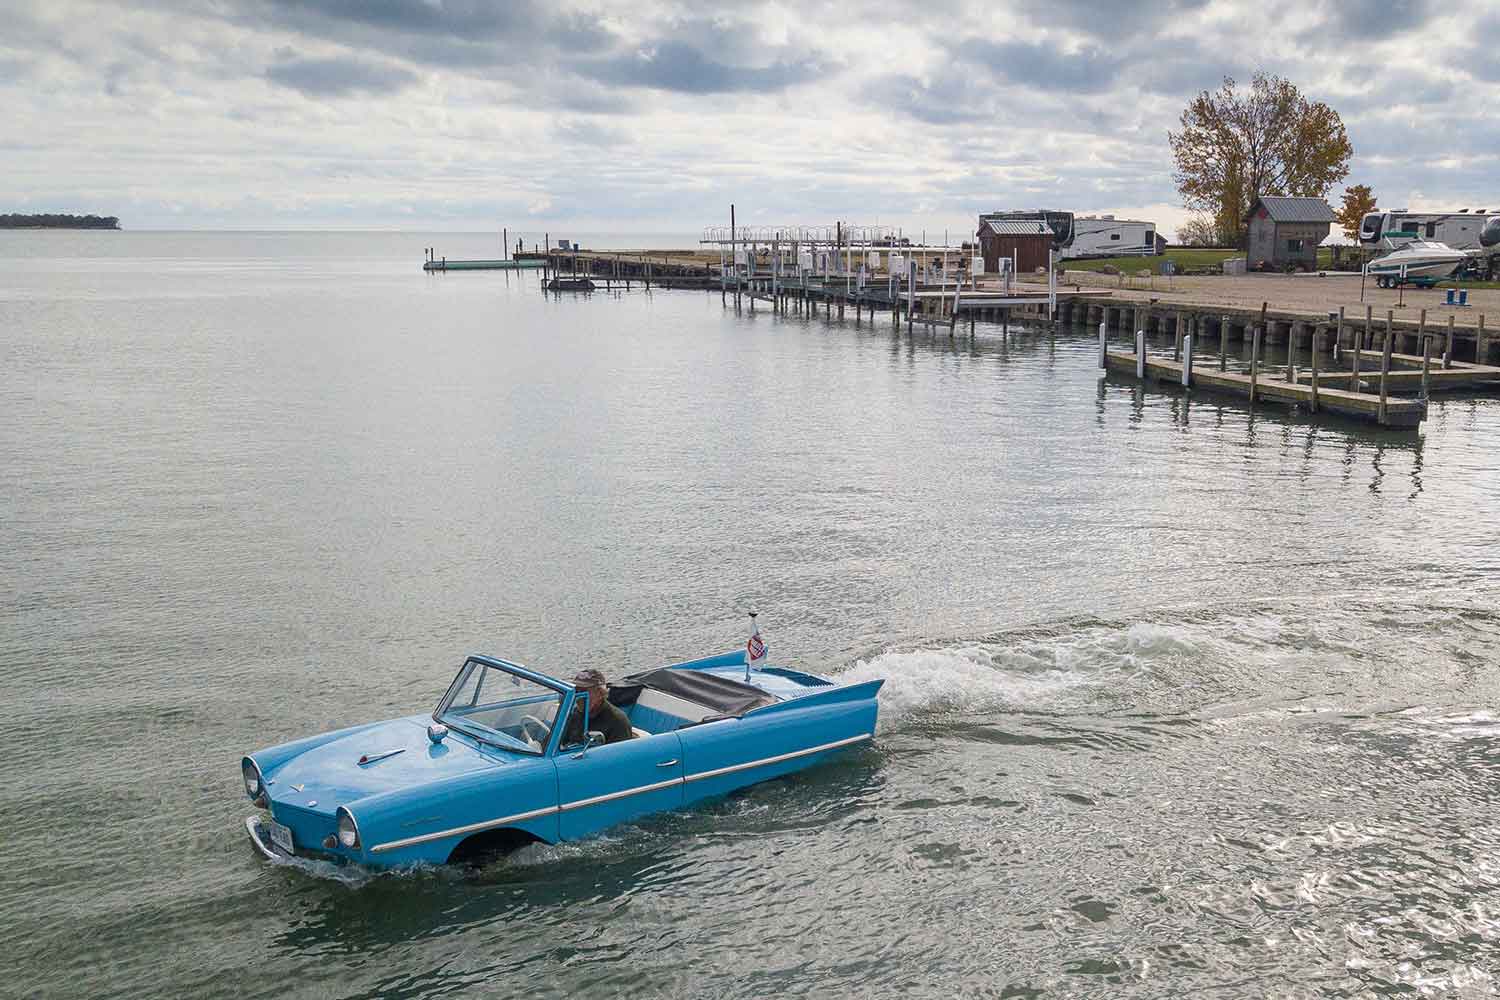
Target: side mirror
[594, 739]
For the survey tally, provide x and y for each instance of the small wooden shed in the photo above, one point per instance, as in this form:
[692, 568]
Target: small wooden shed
[1024, 240]
[1286, 232]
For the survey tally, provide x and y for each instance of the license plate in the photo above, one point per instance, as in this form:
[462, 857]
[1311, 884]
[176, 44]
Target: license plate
[281, 836]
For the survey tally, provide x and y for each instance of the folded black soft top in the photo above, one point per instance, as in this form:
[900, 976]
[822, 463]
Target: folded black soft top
[724, 695]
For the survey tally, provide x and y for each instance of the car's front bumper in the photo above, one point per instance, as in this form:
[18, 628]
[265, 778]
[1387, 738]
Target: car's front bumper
[261, 838]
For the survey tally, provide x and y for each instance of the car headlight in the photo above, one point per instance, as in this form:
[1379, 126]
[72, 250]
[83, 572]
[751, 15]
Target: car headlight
[252, 777]
[348, 832]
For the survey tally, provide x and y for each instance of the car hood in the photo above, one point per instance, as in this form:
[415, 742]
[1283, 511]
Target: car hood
[330, 775]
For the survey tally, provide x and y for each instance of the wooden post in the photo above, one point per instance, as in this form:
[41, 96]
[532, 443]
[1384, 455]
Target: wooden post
[1338, 336]
[1422, 328]
[1140, 354]
[911, 292]
[1448, 345]
[1426, 363]
[1314, 403]
[1390, 315]
[1481, 349]
[734, 257]
[1223, 341]
[1187, 361]
[1291, 341]
[1359, 343]
[1254, 361]
[505, 241]
[1177, 338]
[1385, 365]
[775, 275]
[958, 294]
[1103, 346]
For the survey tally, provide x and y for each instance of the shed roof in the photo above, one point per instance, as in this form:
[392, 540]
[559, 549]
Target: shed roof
[1282, 209]
[1019, 227]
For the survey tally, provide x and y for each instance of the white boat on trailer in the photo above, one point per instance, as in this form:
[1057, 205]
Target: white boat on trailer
[1418, 262]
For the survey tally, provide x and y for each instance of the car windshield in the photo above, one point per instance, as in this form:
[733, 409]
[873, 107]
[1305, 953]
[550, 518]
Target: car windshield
[499, 707]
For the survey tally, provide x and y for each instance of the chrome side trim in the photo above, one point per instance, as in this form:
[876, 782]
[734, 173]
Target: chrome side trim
[701, 775]
[611, 796]
[488, 824]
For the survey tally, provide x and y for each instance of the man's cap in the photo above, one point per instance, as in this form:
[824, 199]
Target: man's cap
[589, 679]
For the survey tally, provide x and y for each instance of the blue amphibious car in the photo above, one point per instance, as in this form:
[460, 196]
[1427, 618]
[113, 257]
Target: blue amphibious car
[489, 770]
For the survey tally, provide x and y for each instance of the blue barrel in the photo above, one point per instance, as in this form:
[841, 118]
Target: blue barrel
[1463, 296]
[1450, 297]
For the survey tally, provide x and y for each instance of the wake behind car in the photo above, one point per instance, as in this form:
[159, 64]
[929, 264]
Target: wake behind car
[508, 758]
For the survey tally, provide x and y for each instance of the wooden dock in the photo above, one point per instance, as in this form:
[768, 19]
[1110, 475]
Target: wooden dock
[1414, 374]
[1191, 372]
[1361, 405]
[444, 264]
[1297, 331]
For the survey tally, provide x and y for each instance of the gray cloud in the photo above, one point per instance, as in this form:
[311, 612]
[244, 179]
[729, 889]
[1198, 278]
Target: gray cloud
[1364, 20]
[946, 100]
[1044, 66]
[1113, 21]
[440, 33]
[590, 133]
[14, 69]
[338, 76]
[455, 18]
[673, 65]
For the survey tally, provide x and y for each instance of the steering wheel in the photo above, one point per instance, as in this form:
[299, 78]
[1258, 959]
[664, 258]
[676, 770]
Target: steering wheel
[530, 724]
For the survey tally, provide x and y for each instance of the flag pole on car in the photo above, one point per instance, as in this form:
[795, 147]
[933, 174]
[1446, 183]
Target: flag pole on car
[756, 649]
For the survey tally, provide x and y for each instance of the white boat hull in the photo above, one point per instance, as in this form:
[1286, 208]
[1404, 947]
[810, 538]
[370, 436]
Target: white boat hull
[1417, 262]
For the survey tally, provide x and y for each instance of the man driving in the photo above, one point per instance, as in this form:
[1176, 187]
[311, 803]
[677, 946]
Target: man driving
[603, 716]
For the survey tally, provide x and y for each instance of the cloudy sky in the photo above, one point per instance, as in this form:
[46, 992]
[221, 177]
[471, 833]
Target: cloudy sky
[653, 116]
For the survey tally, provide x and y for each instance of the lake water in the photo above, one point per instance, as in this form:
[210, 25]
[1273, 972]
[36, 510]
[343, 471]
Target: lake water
[1180, 697]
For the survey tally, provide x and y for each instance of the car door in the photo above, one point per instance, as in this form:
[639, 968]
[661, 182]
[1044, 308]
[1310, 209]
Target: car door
[605, 785]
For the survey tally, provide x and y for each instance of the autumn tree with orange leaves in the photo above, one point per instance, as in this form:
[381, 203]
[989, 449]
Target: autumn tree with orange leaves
[1236, 145]
[1358, 202]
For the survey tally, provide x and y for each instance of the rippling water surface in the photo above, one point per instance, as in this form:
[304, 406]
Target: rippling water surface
[1181, 698]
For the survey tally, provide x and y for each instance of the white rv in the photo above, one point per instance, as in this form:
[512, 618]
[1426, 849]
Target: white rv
[1107, 236]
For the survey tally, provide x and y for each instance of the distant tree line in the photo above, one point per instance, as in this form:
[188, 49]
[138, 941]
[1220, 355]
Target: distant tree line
[54, 221]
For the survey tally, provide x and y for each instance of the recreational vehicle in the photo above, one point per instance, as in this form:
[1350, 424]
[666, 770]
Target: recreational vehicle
[1106, 236]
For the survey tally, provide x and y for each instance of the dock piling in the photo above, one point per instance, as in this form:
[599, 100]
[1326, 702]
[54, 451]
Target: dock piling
[1140, 354]
[1481, 349]
[911, 292]
[1103, 347]
[1223, 343]
[1254, 361]
[1313, 403]
[1385, 366]
[1187, 361]
[1448, 345]
[1426, 365]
